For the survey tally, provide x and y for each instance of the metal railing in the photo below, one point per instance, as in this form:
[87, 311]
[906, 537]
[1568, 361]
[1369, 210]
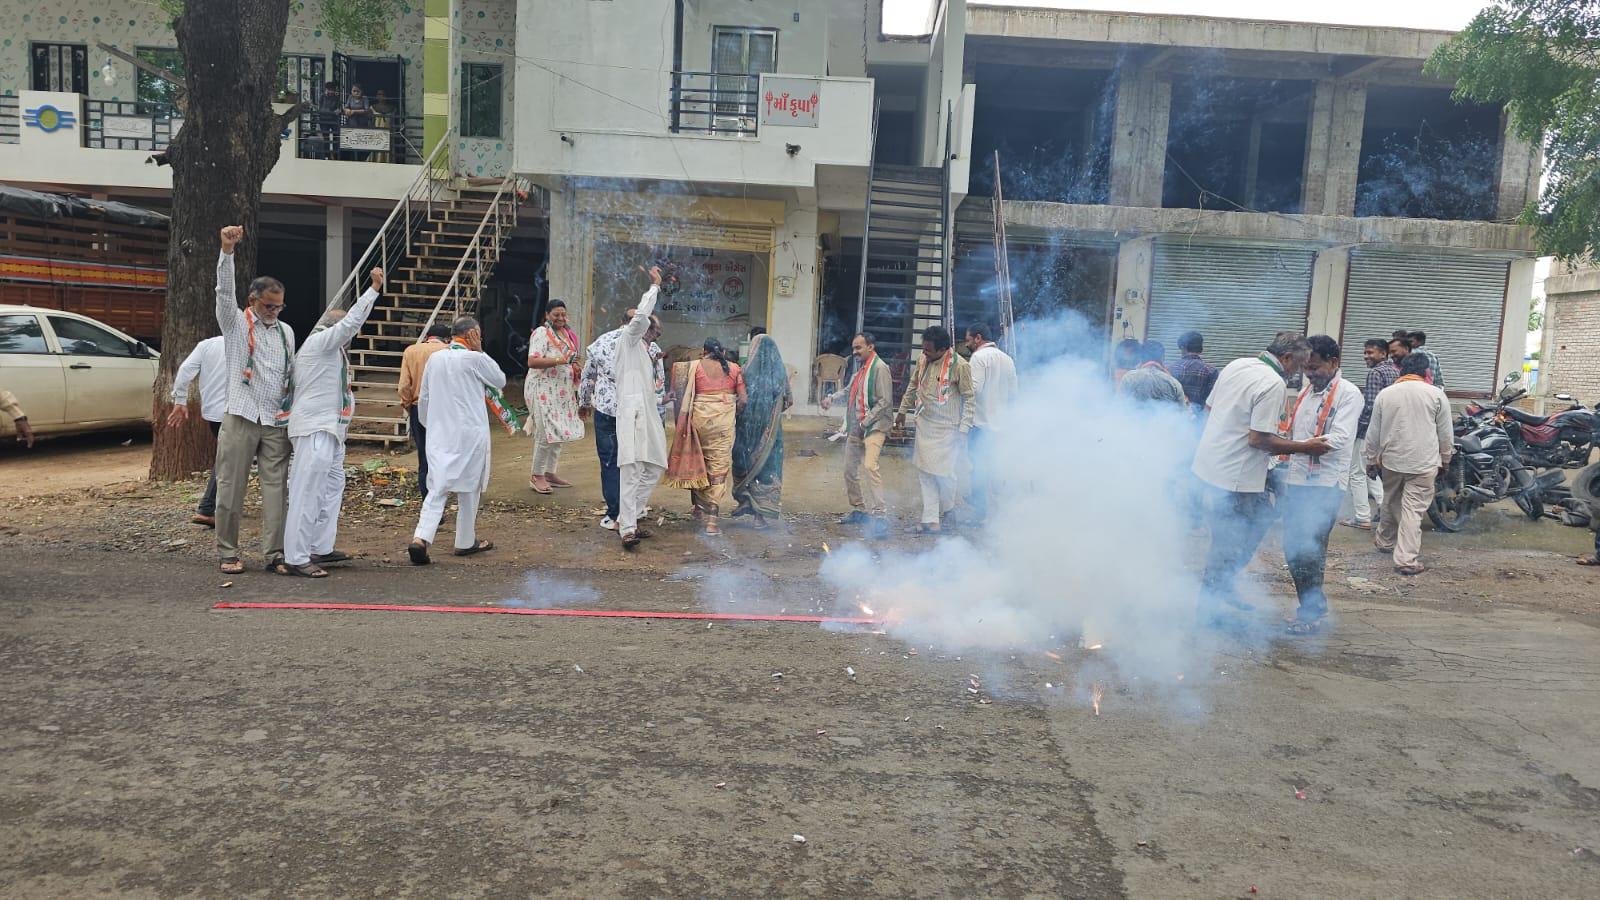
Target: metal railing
[397, 236]
[387, 139]
[946, 223]
[478, 259]
[866, 216]
[10, 119]
[129, 124]
[715, 103]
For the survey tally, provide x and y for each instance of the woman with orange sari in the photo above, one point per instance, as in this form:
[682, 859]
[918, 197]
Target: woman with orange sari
[712, 393]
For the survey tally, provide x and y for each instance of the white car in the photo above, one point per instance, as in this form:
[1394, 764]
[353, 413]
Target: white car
[73, 374]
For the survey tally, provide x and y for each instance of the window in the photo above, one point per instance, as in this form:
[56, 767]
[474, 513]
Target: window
[301, 77]
[21, 334]
[61, 67]
[480, 100]
[78, 338]
[158, 96]
[739, 57]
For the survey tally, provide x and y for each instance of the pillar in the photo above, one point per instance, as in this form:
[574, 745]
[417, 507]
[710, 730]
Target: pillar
[1135, 265]
[1514, 328]
[1333, 148]
[1521, 165]
[438, 51]
[1139, 138]
[1330, 275]
[336, 252]
[792, 318]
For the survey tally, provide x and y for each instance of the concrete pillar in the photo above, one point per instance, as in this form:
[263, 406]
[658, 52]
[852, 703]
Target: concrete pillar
[1139, 139]
[568, 266]
[1333, 148]
[1135, 264]
[438, 78]
[1330, 275]
[1252, 163]
[1514, 330]
[336, 252]
[1521, 165]
[792, 317]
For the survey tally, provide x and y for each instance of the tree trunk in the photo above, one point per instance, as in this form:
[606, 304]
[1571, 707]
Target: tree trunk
[220, 158]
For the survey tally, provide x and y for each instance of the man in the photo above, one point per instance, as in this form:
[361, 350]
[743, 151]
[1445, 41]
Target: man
[1327, 407]
[207, 362]
[318, 424]
[1125, 358]
[940, 393]
[10, 407]
[455, 386]
[1239, 441]
[328, 109]
[1151, 381]
[869, 413]
[597, 395]
[412, 365]
[1399, 349]
[260, 357]
[641, 439]
[994, 383]
[1409, 441]
[1419, 341]
[1197, 376]
[1380, 374]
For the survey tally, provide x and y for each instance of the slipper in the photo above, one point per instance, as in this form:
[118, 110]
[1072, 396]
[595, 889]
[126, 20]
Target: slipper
[538, 490]
[555, 482]
[419, 553]
[479, 547]
[630, 540]
[309, 570]
[332, 556]
[233, 566]
[1353, 523]
[642, 533]
[1417, 569]
[1587, 561]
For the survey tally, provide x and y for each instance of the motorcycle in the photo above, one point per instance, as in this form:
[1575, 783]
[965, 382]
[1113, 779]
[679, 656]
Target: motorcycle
[1564, 440]
[1484, 469]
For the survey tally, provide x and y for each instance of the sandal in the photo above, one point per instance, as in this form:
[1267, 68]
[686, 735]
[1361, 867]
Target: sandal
[534, 483]
[1417, 569]
[234, 566]
[478, 547]
[712, 529]
[642, 533]
[555, 482]
[419, 553]
[1588, 561]
[630, 540]
[1303, 626]
[309, 570]
[332, 556]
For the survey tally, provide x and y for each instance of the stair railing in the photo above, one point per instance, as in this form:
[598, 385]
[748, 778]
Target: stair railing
[486, 242]
[866, 228]
[946, 225]
[397, 236]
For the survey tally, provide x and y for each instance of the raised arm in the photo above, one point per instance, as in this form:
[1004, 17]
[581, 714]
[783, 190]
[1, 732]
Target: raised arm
[228, 315]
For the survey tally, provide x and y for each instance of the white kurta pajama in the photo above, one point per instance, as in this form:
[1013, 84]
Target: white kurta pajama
[552, 399]
[944, 404]
[319, 419]
[641, 438]
[452, 401]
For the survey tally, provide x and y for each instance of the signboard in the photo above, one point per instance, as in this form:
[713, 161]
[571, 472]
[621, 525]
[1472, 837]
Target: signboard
[790, 101]
[371, 139]
[132, 128]
[708, 289]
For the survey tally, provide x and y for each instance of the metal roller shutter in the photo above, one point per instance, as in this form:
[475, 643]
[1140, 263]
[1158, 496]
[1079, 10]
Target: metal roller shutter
[1238, 296]
[1458, 299]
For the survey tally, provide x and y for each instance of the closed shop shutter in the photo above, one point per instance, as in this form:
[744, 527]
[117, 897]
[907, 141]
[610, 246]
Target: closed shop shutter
[1238, 296]
[681, 233]
[1457, 298]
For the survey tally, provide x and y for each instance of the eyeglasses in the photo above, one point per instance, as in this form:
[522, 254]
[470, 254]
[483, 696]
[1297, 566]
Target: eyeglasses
[271, 307]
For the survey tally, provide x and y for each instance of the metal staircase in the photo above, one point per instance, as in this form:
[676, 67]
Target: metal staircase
[438, 248]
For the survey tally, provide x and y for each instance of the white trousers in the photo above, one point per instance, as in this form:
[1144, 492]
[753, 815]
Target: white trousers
[466, 517]
[1361, 487]
[316, 491]
[545, 456]
[938, 496]
[638, 480]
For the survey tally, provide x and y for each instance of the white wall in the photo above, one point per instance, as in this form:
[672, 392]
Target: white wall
[802, 45]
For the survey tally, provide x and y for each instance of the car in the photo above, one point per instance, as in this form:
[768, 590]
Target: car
[72, 374]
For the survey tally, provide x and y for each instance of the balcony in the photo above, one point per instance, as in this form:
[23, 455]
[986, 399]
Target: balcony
[383, 139]
[712, 103]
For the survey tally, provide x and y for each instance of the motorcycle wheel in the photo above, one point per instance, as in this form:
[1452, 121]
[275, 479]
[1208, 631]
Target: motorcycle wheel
[1530, 505]
[1452, 506]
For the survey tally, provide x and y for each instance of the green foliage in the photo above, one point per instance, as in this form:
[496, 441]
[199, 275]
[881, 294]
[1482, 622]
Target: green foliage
[1542, 57]
[348, 23]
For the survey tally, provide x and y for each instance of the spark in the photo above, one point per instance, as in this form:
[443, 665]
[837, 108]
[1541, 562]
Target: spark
[1096, 692]
[825, 549]
[867, 610]
[1054, 656]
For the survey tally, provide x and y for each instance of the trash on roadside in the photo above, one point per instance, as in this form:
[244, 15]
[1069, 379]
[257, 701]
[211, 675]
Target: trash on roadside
[578, 668]
[1299, 795]
[799, 839]
[777, 676]
[389, 501]
[849, 670]
[720, 785]
[227, 584]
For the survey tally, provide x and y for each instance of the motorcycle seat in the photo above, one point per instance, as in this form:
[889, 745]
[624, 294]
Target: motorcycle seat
[1523, 416]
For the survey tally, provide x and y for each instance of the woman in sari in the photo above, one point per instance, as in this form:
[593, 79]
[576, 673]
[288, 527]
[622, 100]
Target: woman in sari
[758, 443]
[551, 391]
[701, 460]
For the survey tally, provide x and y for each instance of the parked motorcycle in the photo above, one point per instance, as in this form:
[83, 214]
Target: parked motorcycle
[1484, 469]
[1564, 440]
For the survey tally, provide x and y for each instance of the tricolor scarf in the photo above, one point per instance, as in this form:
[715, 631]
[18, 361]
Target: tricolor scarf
[347, 395]
[861, 389]
[496, 402]
[565, 340]
[942, 395]
[282, 415]
[1286, 423]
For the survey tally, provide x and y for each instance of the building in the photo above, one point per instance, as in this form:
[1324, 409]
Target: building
[794, 168]
[1569, 360]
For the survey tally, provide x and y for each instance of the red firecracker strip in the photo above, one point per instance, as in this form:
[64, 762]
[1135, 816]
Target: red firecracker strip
[581, 613]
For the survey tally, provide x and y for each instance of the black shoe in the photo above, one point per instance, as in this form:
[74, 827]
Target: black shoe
[418, 552]
[856, 517]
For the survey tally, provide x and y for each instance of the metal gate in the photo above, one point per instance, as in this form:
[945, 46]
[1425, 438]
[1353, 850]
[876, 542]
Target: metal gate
[1237, 295]
[1459, 299]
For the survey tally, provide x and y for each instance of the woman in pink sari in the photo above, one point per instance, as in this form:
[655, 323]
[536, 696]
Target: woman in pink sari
[551, 391]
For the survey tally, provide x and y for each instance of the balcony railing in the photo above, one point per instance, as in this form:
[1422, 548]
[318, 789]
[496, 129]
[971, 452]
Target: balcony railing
[129, 124]
[10, 121]
[715, 103]
[385, 139]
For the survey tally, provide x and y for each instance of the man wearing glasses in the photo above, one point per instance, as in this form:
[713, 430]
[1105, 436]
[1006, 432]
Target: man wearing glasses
[260, 366]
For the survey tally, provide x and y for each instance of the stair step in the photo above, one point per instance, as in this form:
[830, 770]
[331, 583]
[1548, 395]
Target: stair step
[365, 353]
[898, 217]
[933, 233]
[378, 385]
[881, 187]
[896, 204]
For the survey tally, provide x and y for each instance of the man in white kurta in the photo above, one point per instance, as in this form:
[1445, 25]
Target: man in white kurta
[641, 441]
[940, 393]
[207, 365]
[452, 401]
[319, 420]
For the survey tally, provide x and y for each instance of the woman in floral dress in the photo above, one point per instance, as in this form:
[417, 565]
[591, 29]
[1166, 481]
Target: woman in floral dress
[551, 391]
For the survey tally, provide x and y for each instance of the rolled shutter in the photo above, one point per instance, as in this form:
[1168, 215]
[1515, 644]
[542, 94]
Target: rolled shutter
[1238, 296]
[1459, 299]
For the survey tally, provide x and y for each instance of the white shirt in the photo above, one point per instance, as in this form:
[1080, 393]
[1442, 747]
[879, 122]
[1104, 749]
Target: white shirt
[994, 383]
[1248, 397]
[262, 399]
[1332, 469]
[208, 361]
[640, 436]
[451, 408]
[321, 374]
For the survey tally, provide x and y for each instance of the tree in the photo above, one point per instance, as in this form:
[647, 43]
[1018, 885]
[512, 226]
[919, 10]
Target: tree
[1542, 57]
[230, 140]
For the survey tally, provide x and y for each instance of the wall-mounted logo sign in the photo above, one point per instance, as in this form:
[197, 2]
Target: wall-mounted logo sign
[48, 118]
